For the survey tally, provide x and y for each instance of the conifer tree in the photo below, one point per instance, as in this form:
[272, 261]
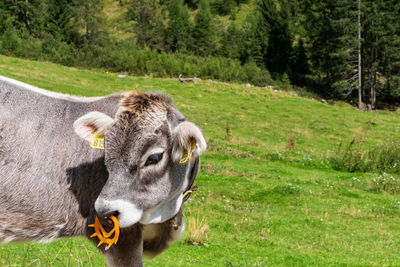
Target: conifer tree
[4, 17]
[299, 66]
[24, 15]
[231, 41]
[148, 27]
[224, 7]
[254, 39]
[277, 54]
[204, 32]
[59, 22]
[179, 28]
[332, 31]
[90, 15]
[389, 49]
[372, 29]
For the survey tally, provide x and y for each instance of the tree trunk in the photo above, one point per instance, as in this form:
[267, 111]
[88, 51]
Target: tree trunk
[359, 57]
[371, 71]
[87, 20]
[373, 98]
[28, 23]
[374, 65]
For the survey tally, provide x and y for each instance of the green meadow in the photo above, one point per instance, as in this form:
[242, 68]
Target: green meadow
[268, 194]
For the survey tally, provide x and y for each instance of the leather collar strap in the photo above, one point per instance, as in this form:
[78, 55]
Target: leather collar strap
[193, 174]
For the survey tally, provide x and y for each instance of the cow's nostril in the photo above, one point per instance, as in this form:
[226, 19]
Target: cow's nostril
[106, 214]
[104, 217]
[116, 213]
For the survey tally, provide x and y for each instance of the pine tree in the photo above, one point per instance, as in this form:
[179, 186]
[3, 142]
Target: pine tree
[5, 19]
[299, 66]
[24, 15]
[332, 31]
[90, 15]
[148, 27]
[277, 54]
[224, 7]
[254, 39]
[59, 17]
[231, 41]
[179, 29]
[389, 49]
[204, 32]
[372, 29]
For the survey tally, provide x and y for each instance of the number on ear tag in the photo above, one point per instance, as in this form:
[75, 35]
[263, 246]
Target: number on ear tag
[188, 155]
[98, 141]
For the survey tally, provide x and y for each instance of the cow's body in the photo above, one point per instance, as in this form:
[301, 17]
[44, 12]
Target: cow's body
[41, 159]
[49, 177]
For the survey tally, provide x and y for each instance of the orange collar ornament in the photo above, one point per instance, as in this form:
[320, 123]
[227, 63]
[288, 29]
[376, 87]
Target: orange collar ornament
[103, 236]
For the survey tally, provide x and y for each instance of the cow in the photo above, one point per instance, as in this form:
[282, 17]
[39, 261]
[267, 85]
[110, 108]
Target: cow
[53, 183]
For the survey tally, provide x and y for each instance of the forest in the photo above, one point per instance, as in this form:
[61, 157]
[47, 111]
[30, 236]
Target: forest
[336, 49]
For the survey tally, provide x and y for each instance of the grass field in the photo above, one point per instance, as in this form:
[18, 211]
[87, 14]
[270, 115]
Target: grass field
[267, 192]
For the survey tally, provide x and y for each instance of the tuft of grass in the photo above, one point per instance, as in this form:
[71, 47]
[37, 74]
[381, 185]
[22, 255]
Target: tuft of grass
[291, 142]
[197, 230]
[385, 182]
[228, 130]
[354, 157]
[387, 157]
[349, 157]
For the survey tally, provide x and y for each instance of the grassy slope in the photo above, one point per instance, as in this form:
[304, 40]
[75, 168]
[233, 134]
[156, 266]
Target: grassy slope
[264, 205]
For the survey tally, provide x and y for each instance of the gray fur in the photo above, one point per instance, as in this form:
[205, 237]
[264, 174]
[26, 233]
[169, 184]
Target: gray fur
[51, 178]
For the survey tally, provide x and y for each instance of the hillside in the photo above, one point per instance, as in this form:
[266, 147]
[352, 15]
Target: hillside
[120, 29]
[341, 50]
[267, 190]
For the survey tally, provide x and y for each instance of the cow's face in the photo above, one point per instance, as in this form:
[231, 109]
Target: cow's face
[144, 145]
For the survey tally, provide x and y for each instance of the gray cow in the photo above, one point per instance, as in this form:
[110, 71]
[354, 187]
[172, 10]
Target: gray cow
[53, 184]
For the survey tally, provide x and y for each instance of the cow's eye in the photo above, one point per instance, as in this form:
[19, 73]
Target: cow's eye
[154, 159]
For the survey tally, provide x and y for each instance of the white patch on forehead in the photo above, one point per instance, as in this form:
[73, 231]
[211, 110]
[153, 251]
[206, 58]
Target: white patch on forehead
[48, 93]
[129, 214]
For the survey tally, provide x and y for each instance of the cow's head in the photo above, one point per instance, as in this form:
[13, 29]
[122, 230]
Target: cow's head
[144, 145]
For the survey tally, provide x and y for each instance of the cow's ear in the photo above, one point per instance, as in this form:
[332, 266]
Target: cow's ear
[91, 123]
[184, 136]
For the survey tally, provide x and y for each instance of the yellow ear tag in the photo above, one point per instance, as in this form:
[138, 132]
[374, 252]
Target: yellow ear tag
[103, 236]
[98, 141]
[188, 155]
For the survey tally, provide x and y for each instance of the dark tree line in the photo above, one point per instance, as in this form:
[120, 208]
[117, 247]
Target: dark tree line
[332, 29]
[336, 48]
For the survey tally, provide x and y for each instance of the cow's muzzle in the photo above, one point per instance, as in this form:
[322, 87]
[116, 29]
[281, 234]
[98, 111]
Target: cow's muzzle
[126, 212]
